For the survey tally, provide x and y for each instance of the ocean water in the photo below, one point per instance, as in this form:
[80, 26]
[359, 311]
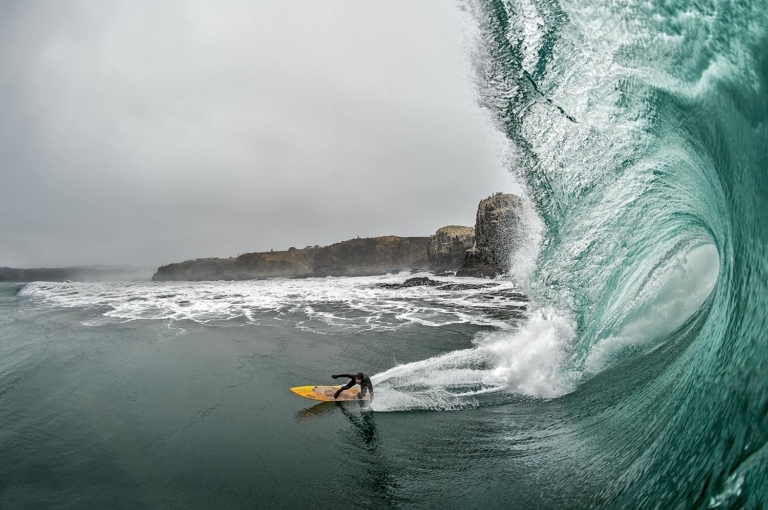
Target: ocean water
[158, 395]
[622, 364]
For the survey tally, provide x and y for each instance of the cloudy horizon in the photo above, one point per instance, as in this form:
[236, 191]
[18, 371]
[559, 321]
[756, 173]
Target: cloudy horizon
[148, 133]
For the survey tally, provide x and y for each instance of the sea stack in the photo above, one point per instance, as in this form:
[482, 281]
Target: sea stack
[496, 228]
[447, 247]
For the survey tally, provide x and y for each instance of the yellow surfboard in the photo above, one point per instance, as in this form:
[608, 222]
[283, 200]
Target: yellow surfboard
[325, 393]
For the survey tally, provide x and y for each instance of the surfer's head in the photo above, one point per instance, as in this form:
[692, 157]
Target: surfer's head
[359, 376]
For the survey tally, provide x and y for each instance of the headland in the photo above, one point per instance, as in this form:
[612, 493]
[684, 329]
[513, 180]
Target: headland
[480, 251]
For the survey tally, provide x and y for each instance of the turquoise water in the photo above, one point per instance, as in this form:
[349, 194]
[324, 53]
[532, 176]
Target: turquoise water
[630, 374]
[640, 130]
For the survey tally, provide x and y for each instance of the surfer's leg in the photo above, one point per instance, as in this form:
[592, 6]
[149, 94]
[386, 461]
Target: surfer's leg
[345, 387]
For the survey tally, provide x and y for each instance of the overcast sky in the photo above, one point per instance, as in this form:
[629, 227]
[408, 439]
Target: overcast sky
[150, 132]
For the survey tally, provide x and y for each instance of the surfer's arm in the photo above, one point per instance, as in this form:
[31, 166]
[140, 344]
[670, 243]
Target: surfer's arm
[343, 375]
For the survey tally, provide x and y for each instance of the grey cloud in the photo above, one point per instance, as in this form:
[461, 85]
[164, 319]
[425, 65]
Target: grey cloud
[150, 132]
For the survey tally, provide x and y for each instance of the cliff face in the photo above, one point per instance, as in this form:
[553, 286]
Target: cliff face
[377, 252]
[481, 252]
[355, 257]
[496, 227]
[448, 245]
[274, 264]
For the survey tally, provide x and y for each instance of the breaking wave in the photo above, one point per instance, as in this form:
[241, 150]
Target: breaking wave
[638, 131]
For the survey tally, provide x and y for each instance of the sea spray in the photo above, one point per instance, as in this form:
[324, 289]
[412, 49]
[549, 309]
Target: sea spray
[530, 361]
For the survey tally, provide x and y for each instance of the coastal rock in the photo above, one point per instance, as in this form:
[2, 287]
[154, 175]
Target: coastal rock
[199, 270]
[356, 257]
[496, 229]
[387, 252]
[420, 281]
[417, 281]
[447, 247]
[481, 252]
[323, 271]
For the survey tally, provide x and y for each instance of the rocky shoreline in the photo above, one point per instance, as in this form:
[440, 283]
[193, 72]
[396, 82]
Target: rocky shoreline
[483, 251]
[356, 257]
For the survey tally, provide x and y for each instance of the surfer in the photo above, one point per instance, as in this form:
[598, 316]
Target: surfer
[359, 378]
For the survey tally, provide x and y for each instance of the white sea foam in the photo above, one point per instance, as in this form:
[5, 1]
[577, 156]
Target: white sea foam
[526, 245]
[531, 25]
[320, 305]
[529, 361]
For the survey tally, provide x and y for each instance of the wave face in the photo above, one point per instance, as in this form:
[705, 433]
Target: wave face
[641, 132]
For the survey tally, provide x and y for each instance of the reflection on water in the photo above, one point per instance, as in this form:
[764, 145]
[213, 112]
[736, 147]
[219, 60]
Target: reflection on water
[363, 422]
[359, 414]
[370, 469]
[316, 411]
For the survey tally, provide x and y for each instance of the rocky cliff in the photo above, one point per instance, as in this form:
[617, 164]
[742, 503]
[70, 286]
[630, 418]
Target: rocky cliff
[496, 230]
[447, 247]
[483, 251]
[355, 257]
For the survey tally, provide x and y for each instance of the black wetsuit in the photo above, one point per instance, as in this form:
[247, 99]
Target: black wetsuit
[365, 385]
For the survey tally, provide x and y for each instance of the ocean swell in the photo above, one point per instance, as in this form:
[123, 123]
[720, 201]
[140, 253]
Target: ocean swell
[639, 133]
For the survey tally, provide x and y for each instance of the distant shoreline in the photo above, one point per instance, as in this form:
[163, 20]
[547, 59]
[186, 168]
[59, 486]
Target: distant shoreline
[354, 257]
[482, 251]
[76, 273]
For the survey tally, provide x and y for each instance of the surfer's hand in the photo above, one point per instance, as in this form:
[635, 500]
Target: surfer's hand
[335, 376]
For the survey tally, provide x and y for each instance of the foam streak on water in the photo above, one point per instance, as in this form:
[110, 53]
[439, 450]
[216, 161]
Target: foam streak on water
[321, 305]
